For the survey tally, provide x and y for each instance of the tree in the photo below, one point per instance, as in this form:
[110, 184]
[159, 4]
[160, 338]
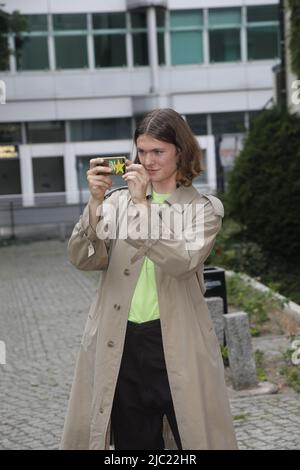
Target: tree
[9, 23]
[264, 186]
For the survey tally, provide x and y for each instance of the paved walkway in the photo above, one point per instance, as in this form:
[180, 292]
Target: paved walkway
[43, 307]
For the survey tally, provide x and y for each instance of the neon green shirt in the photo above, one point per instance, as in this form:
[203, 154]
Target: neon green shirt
[144, 304]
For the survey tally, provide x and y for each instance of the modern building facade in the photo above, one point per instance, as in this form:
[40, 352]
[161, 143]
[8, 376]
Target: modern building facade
[83, 74]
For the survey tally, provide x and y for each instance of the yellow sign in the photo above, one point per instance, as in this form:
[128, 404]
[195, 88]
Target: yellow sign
[8, 151]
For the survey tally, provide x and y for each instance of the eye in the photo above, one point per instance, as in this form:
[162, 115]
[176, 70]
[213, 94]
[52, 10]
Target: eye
[141, 152]
[159, 152]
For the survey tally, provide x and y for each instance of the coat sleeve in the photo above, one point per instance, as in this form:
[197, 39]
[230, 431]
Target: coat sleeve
[85, 250]
[176, 257]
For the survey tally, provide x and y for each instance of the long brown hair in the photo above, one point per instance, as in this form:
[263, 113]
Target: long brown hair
[169, 126]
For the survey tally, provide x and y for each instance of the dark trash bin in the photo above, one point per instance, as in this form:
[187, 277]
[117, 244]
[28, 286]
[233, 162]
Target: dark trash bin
[215, 283]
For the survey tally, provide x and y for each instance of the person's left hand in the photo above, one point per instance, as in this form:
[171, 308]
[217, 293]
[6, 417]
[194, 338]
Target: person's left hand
[138, 179]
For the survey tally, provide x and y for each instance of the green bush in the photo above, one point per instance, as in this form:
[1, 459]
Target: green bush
[233, 251]
[9, 23]
[264, 185]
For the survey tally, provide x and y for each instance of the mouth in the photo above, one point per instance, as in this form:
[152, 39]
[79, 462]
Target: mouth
[151, 170]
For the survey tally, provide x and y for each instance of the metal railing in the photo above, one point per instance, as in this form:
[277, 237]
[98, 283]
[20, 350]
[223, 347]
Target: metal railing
[49, 209]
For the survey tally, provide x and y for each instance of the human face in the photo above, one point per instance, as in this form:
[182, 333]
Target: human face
[159, 159]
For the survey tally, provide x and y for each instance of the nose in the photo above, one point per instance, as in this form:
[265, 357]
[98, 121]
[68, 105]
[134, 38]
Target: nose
[148, 158]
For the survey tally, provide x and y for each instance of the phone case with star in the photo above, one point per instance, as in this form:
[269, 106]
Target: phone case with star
[117, 165]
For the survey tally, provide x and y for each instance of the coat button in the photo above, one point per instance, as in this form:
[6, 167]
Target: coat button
[110, 344]
[101, 410]
[126, 272]
[117, 307]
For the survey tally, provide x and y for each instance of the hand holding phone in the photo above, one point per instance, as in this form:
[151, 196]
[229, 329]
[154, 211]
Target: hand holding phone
[99, 181]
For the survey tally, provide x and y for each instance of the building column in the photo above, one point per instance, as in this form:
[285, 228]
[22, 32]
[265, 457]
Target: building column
[51, 47]
[211, 162]
[152, 48]
[90, 43]
[12, 57]
[26, 171]
[71, 183]
[243, 33]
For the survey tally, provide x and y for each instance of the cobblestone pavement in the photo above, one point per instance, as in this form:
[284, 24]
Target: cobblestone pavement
[43, 307]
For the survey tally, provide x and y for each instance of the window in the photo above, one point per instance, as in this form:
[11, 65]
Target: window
[32, 46]
[109, 32]
[161, 30]
[263, 32]
[139, 38]
[186, 37]
[228, 123]
[263, 13]
[70, 22]
[48, 175]
[224, 34]
[10, 179]
[45, 132]
[10, 133]
[101, 129]
[70, 35]
[198, 123]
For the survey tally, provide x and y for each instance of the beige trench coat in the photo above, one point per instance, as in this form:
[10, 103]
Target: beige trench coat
[192, 353]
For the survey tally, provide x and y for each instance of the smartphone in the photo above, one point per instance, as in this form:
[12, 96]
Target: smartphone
[117, 165]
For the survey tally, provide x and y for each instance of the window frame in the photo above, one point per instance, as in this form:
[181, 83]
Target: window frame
[258, 25]
[110, 32]
[185, 29]
[223, 27]
[30, 141]
[96, 121]
[138, 30]
[70, 33]
[43, 33]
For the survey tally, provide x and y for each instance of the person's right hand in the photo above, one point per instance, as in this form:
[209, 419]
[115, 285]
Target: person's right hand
[98, 184]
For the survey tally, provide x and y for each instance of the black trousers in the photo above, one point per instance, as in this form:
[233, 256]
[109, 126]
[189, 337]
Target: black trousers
[142, 396]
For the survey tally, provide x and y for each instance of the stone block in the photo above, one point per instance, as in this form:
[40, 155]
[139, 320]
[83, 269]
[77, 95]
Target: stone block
[240, 354]
[215, 307]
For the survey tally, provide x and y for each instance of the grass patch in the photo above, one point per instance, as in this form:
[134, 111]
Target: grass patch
[241, 417]
[257, 304]
[260, 366]
[224, 352]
